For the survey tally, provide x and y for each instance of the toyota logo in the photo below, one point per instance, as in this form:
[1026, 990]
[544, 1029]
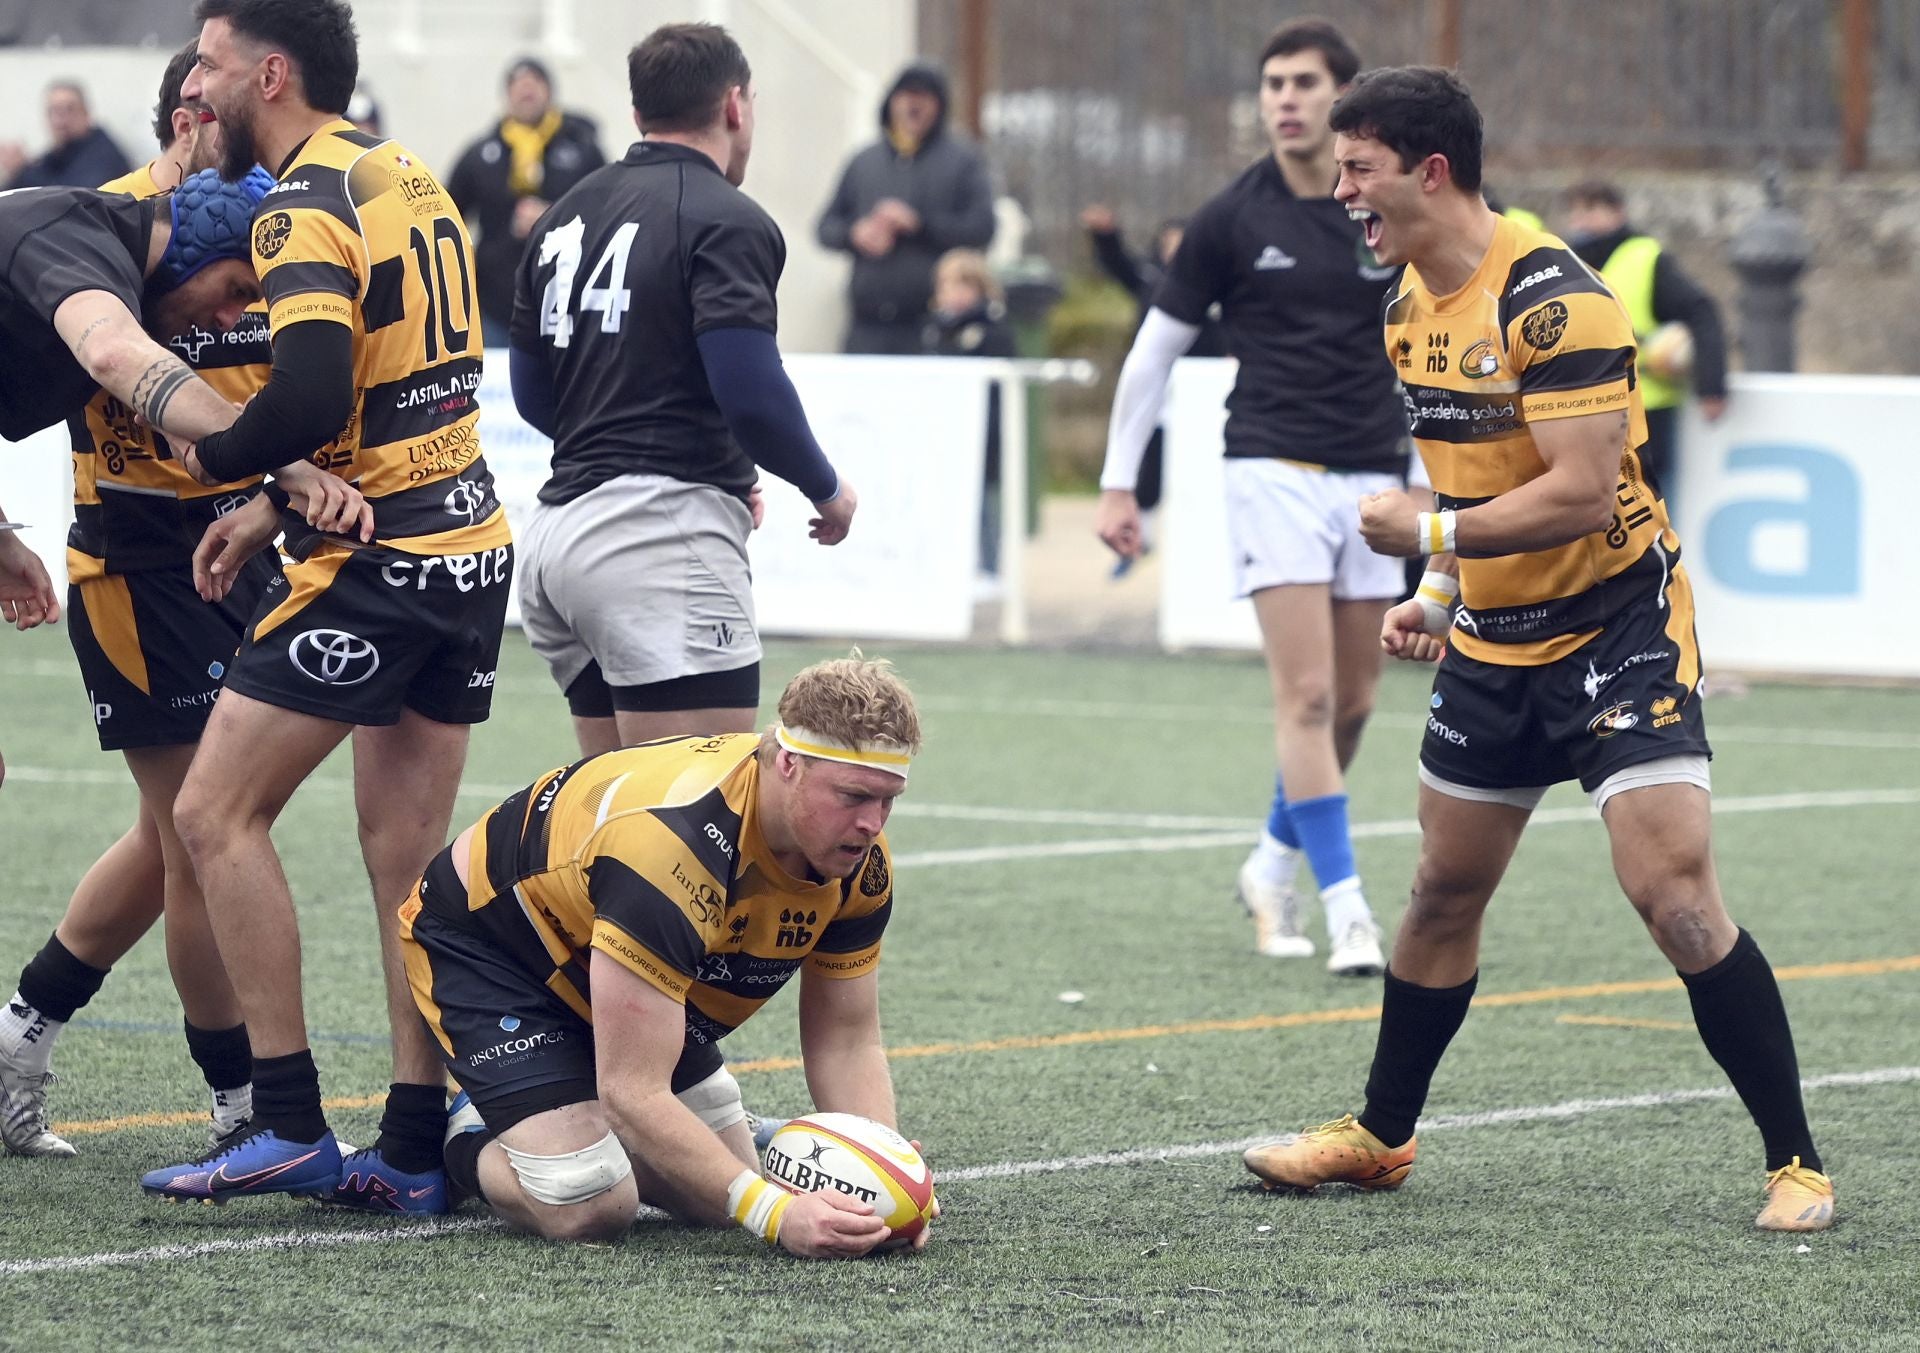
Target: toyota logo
[467, 500]
[334, 657]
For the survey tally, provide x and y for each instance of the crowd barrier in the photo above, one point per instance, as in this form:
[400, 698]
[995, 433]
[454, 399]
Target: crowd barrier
[1788, 511]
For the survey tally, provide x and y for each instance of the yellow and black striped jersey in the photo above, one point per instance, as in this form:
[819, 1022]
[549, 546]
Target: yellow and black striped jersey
[1534, 335]
[135, 507]
[654, 855]
[359, 232]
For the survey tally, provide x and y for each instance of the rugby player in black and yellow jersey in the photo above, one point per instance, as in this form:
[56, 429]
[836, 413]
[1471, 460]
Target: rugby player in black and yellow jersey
[368, 275]
[1571, 654]
[151, 653]
[581, 951]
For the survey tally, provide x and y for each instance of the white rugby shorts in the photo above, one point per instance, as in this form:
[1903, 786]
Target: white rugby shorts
[645, 574]
[1289, 524]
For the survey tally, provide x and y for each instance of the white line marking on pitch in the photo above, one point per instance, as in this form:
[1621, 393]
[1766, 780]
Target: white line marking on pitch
[1201, 713]
[1148, 845]
[1016, 1169]
[950, 812]
[1573, 1108]
[1192, 833]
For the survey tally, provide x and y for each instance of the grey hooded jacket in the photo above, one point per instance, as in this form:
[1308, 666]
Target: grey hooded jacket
[945, 181]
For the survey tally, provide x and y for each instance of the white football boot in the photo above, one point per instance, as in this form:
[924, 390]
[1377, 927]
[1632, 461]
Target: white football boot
[23, 1112]
[1356, 952]
[1277, 932]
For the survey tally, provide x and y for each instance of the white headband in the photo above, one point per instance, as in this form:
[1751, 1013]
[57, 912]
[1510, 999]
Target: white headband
[876, 756]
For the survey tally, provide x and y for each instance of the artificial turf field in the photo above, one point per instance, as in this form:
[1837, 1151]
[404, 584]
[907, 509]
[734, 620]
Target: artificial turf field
[1073, 826]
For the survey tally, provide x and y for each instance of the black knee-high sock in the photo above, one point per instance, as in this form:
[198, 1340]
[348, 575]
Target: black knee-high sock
[411, 1128]
[1416, 1024]
[1737, 1008]
[286, 1097]
[56, 983]
[463, 1162]
[224, 1056]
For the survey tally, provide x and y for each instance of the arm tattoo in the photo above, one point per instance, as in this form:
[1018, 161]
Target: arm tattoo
[157, 386]
[80, 343]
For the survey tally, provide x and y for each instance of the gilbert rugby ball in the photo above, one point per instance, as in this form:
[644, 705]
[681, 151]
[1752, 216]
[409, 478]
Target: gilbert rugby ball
[860, 1158]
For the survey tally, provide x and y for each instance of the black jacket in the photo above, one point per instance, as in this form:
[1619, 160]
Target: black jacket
[1676, 296]
[481, 187]
[1140, 276]
[86, 163]
[944, 180]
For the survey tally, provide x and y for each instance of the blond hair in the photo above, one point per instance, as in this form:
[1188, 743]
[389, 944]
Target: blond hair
[969, 266]
[855, 700]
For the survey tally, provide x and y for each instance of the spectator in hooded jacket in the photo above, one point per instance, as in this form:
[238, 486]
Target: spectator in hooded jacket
[902, 203]
[82, 155]
[505, 181]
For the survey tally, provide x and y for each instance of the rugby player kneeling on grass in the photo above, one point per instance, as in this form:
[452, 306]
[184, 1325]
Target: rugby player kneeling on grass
[581, 950]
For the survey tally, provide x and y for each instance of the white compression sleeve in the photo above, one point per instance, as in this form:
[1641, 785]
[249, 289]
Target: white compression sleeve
[1141, 394]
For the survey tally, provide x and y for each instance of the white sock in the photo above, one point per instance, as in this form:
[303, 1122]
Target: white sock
[233, 1107]
[1275, 861]
[27, 1036]
[1345, 906]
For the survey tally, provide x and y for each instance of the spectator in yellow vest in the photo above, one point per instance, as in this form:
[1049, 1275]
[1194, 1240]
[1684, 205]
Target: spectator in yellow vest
[1656, 294]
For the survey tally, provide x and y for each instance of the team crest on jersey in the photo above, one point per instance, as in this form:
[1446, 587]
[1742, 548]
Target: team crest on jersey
[1545, 325]
[1479, 361]
[1614, 719]
[270, 234]
[874, 879]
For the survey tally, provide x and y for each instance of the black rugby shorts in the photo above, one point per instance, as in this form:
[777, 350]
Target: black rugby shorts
[357, 636]
[153, 654]
[1627, 696]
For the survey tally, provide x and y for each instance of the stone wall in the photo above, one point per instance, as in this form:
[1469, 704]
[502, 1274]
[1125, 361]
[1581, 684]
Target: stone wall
[1861, 293]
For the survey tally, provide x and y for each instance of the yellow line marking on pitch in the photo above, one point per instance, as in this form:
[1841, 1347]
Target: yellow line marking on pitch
[1355, 1014]
[1617, 1022]
[147, 1120]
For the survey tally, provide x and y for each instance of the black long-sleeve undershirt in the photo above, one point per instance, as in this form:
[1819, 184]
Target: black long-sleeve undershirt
[307, 399]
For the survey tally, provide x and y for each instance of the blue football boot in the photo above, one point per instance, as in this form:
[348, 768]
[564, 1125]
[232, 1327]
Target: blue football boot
[259, 1162]
[369, 1184]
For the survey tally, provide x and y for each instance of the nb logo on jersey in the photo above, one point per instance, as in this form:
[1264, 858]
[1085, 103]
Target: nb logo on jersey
[333, 657]
[191, 344]
[796, 929]
[1273, 258]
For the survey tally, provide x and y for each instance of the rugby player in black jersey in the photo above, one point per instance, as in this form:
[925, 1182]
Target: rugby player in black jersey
[1572, 654]
[643, 344]
[151, 655]
[1313, 425]
[75, 267]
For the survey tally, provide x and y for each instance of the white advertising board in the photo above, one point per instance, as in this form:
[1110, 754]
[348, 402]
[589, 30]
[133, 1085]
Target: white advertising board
[1790, 510]
[908, 433]
[1197, 605]
[1795, 514]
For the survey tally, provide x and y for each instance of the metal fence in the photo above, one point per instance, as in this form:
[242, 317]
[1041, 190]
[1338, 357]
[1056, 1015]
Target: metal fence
[1149, 104]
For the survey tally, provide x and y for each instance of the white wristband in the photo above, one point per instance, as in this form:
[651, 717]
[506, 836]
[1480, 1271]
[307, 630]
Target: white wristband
[1436, 531]
[1436, 595]
[757, 1204]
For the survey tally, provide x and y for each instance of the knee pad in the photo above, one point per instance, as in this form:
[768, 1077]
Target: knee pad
[575, 1177]
[716, 1100]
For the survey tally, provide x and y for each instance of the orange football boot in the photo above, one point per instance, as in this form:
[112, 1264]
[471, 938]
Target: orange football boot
[1340, 1152]
[1798, 1199]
